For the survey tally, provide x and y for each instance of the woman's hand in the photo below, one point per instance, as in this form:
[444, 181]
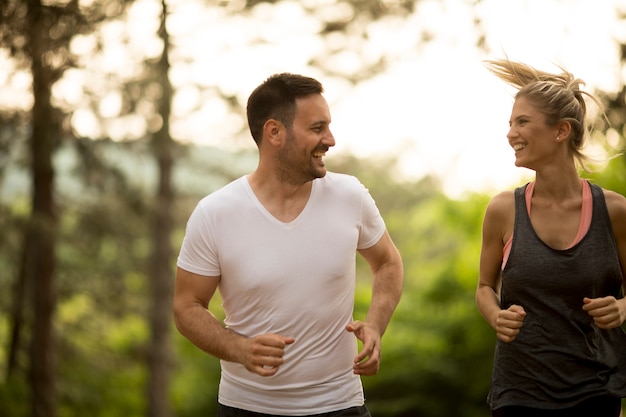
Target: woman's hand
[509, 322]
[607, 312]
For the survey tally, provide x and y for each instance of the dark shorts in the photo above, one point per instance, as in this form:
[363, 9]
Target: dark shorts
[595, 407]
[225, 411]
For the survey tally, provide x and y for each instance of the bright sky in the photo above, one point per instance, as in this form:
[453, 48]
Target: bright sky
[436, 106]
[447, 113]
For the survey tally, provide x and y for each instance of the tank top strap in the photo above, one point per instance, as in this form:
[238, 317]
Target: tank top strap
[585, 216]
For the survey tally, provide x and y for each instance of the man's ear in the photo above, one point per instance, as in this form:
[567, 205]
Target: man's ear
[273, 132]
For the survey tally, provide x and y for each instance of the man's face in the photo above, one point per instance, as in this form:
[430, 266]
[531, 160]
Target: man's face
[301, 158]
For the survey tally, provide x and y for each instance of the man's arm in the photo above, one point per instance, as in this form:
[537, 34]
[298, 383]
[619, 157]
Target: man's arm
[388, 276]
[192, 293]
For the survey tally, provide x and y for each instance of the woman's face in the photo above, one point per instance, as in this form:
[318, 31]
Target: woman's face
[534, 141]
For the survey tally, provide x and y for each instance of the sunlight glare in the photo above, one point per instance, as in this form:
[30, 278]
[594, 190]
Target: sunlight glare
[201, 127]
[83, 44]
[292, 18]
[85, 124]
[435, 105]
[142, 25]
[331, 11]
[127, 127]
[68, 92]
[613, 138]
[110, 104]
[16, 88]
[186, 99]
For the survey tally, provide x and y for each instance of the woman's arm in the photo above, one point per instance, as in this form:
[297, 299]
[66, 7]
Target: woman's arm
[497, 229]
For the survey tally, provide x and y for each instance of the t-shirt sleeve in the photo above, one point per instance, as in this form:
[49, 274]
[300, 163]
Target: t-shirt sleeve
[198, 250]
[372, 223]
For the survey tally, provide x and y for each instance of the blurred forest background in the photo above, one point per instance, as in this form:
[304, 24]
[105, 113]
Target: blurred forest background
[91, 224]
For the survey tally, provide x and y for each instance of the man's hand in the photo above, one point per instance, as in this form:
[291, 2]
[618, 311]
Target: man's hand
[367, 361]
[263, 354]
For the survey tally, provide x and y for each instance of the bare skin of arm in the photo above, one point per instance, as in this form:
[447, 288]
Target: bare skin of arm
[497, 228]
[262, 354]
[609, 312]
[388, 276]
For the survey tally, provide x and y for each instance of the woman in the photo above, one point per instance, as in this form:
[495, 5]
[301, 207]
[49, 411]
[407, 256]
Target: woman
[552, 261]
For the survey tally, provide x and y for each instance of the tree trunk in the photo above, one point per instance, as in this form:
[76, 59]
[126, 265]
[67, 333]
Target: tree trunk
[160, 361]
[41, 234]
[17, 312]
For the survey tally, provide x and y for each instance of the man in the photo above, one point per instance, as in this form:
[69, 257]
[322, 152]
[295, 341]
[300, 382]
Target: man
[280, 245]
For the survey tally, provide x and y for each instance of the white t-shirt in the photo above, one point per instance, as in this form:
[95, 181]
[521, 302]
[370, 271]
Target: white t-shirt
[295, 279]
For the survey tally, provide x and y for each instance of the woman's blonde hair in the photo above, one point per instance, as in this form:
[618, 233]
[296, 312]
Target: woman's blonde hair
[558, 96]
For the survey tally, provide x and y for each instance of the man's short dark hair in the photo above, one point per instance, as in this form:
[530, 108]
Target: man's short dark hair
[276, 98]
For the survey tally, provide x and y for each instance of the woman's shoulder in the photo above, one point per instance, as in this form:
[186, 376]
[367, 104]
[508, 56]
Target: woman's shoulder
[500, 214]
[616, 204]
[504, 201]
[613, 197]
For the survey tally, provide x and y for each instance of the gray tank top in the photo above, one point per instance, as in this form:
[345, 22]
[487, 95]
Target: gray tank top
[560, 357]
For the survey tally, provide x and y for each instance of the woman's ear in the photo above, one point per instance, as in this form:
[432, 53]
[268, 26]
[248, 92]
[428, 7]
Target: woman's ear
[564, 130]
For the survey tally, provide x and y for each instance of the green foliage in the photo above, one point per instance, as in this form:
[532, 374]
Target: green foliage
[195, 384]
[437, 351]
[612, 177]
[14, 398]
[437, 346]
[104, 284]
[102, 361]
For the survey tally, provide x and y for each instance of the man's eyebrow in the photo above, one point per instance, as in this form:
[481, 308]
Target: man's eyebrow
[316, 123]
